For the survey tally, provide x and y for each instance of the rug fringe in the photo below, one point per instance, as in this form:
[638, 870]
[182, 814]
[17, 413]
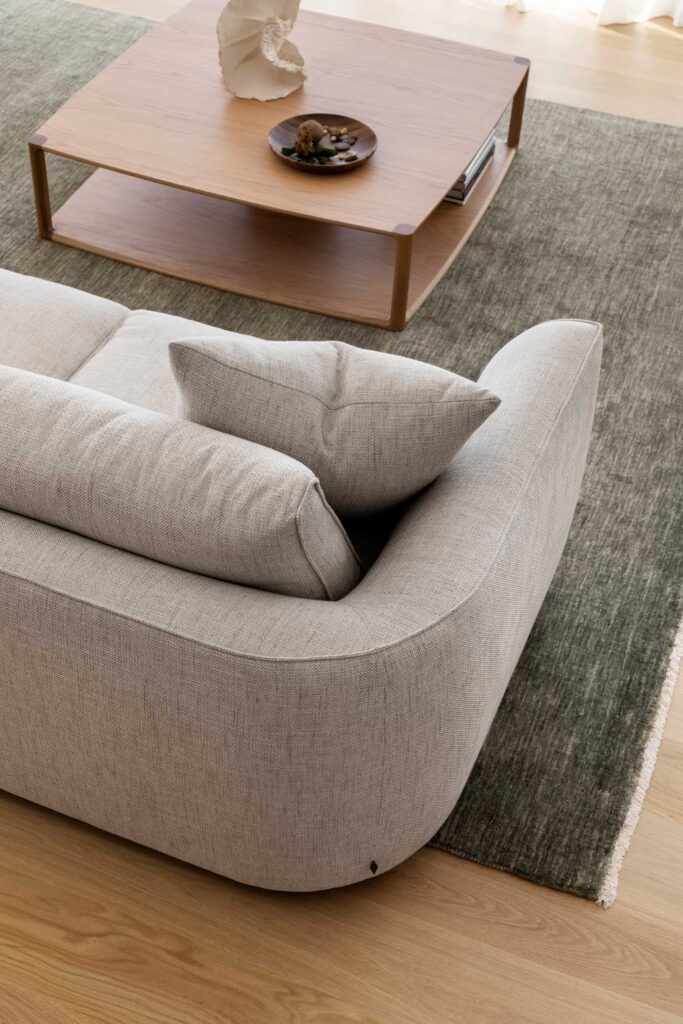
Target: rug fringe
[608, 890]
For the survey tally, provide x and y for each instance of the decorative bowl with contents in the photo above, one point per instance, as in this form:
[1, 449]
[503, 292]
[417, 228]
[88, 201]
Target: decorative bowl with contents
[323, 143]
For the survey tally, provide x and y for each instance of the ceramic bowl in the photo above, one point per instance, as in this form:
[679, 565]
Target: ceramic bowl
[284, 134]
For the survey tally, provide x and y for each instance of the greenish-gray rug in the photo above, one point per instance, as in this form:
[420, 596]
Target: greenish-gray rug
[588, 224]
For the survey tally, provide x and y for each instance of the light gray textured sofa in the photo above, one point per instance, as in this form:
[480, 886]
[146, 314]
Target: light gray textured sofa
[284, 742]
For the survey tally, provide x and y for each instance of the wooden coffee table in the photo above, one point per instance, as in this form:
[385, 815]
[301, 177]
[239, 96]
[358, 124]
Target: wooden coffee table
[186, 184]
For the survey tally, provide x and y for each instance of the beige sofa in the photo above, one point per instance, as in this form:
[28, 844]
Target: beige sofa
[288, 743]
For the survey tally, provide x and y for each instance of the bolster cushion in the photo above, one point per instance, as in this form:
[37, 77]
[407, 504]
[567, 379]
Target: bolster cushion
[167, 489]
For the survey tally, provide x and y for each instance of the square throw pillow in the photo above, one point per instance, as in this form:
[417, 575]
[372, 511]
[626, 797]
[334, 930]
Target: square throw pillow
[373, 427]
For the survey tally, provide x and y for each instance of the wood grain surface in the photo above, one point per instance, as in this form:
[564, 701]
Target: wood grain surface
[320, 267]
[95, 929]
[160, 112]
[633, 70]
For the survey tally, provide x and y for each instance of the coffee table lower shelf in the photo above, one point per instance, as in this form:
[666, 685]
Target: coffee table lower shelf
[322, 268]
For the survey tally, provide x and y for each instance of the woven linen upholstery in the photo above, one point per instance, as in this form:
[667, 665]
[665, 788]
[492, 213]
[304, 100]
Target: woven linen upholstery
[374, 427]
[281, 741]
[49, 328]
[135, 366]
[167, 489]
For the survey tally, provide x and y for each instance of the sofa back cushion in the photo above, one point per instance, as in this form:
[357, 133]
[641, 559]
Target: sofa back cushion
[49, 328]
[374, 428]
[167, 489]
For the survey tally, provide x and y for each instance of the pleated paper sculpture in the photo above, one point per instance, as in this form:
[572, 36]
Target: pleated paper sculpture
[257, 60]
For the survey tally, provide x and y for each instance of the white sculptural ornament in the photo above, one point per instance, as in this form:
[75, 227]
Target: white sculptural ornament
[257, 60]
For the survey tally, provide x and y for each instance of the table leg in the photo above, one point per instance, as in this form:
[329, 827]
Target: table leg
[517, 112]
[41, 191]
[402, 264]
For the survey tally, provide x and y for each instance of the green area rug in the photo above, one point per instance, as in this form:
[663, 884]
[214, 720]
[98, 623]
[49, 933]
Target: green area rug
[588, 224]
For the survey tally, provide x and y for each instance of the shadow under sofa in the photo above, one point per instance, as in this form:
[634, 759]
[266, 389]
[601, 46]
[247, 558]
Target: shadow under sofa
[287, 743]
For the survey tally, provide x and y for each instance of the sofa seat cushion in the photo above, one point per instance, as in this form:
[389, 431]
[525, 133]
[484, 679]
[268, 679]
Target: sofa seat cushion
[167, 489]
[375, 428]
[49, 328]
[134, 365]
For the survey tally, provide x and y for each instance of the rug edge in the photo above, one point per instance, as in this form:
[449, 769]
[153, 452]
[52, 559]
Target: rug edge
[607, 893]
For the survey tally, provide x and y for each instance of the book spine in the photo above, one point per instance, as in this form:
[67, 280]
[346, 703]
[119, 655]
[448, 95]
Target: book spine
[476, 164]
[459, 195]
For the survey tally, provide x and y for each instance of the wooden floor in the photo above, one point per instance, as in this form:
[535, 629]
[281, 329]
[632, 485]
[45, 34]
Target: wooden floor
[94, 930]
[633, 70]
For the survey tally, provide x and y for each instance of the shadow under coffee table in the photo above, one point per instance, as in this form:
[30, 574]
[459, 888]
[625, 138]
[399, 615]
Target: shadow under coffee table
[187, 185]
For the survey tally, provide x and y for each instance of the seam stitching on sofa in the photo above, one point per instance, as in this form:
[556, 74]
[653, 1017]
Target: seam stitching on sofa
[307, 556]
[356, 654]
[315, 485]
[486, 398]
[338, 522]
[105, 341]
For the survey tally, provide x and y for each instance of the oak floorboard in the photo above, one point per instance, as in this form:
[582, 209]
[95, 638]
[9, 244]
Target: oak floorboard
[96, 920]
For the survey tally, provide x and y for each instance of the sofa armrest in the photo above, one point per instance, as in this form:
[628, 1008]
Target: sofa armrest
[523, 465]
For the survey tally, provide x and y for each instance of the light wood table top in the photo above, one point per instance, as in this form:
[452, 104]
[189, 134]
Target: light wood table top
[187, 184]
[160, 112]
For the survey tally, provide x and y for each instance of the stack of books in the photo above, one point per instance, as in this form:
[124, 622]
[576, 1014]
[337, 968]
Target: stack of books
[472, 173]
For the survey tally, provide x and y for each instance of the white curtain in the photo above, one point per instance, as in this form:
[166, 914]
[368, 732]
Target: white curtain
[610, 12]
[621, 11]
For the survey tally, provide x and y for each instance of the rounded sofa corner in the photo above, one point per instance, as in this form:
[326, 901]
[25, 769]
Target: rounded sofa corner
[285, 743]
